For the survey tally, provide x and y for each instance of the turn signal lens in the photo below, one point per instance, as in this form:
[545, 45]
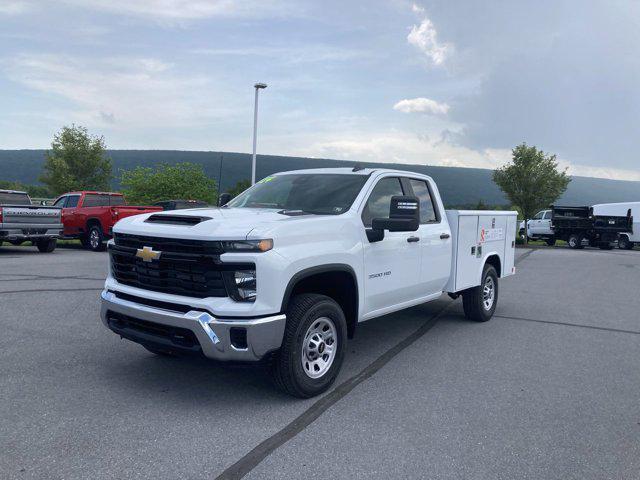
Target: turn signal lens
[265, 245]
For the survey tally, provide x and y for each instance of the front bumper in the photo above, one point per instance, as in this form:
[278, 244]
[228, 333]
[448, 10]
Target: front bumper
[242, 340]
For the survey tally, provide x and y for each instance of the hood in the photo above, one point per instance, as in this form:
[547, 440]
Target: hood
[214, 224]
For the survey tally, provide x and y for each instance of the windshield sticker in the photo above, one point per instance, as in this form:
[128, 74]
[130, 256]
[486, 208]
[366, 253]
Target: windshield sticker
[266, 179]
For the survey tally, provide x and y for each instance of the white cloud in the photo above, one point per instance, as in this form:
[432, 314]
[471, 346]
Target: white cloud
[393, 146]
[121, 91]
[14, 7]
[181, 10]
[425, 38]
[421, 105]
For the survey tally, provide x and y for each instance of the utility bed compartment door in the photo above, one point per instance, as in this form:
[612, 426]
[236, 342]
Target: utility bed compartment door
[510, 247]
[467, 261]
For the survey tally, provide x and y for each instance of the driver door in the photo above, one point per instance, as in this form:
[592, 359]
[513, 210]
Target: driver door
[391, 266]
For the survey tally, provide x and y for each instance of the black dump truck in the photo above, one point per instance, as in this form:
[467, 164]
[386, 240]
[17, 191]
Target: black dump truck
[579, 227]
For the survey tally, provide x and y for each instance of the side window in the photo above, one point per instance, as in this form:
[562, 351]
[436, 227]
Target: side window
[427, 207]
[116, 200]
[73, 201]
[538, 216]
[60, 202]
[95, 200]
[379, 200]
[547, 215]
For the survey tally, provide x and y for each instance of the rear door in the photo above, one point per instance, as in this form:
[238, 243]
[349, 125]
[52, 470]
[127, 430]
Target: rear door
[535, 224]
[391, 266]
[434, 238]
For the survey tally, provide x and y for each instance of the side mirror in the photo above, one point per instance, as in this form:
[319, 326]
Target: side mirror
[404, 216]
[223, 199]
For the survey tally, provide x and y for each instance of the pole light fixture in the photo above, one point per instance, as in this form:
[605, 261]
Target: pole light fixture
[258, 87]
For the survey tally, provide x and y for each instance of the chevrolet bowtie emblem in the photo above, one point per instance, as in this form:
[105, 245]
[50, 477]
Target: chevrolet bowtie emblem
[148, 254]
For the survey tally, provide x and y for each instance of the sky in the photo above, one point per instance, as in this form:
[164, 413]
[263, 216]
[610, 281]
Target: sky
[453, 83]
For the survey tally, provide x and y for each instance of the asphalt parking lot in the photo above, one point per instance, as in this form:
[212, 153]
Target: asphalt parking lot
[548, 389]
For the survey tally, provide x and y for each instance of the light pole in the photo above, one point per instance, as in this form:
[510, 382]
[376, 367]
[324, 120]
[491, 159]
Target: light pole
[257, 86]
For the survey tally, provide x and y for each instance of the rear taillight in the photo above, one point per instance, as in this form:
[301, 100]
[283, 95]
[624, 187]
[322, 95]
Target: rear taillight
[0, 214]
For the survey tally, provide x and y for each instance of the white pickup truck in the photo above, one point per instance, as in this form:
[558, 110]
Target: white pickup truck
[285, 271]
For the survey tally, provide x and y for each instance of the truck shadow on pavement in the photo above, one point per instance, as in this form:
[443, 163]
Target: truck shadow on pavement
[185, 380]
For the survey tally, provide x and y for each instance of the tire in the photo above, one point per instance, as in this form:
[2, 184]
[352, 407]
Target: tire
[46, 245]
[624, 243]
[311, 320]
[551, 241]
[574, 241]
[159, 351]
[603, 246]
[95, 239]
[475, 301]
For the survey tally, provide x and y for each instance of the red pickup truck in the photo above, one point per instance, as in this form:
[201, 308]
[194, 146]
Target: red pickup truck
[90, 216]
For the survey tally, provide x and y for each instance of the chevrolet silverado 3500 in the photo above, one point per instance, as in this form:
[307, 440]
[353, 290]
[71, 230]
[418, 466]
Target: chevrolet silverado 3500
[285, 271]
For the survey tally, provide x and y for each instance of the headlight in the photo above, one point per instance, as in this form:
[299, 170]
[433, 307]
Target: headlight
[248, 245]
[242, 286]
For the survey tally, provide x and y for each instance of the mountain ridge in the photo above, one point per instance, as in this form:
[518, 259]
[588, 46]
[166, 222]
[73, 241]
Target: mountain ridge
[457, 185]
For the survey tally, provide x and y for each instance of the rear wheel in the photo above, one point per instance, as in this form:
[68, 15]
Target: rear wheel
[46, 245]
[313, 346]
[95, 239]
[624, 243]
[480, 302]
[574, 241]
[551, 241]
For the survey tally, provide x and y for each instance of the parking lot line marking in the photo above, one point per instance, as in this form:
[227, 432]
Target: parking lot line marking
[252, 459]
[37, 290]
[567, 324]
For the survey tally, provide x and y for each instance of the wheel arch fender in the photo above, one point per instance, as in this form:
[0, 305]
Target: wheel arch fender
[336, 280]
[91, 221]
[493, 259]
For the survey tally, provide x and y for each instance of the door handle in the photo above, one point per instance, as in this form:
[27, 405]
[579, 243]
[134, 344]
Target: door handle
[413, 239]
[444, 236]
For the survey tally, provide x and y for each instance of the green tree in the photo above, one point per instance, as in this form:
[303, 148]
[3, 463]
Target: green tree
[239, 187]
[146, 185]
[76, 161]
[532, 180]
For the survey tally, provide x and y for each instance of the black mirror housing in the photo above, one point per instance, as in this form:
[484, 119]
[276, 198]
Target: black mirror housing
[223, 199]
[404, 215]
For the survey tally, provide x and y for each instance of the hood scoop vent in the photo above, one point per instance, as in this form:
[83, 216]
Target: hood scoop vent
[177, 219]
[292, 213]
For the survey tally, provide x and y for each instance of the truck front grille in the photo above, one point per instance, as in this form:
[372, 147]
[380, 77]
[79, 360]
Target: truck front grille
[190, 268]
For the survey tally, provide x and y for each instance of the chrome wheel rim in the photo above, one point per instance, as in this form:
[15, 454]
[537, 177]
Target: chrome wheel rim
[319, 347]
[572, 242]
[94, 238]
[488, 293]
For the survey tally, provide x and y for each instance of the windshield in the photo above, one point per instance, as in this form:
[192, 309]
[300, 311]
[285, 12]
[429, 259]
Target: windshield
[330, 194]
[11, 198]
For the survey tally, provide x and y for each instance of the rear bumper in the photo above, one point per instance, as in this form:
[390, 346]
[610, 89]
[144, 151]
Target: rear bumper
[22, 231]
[195, 331]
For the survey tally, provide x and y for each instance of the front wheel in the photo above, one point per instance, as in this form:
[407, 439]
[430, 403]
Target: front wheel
[313, 346]
[46, 245]
[479, 303]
